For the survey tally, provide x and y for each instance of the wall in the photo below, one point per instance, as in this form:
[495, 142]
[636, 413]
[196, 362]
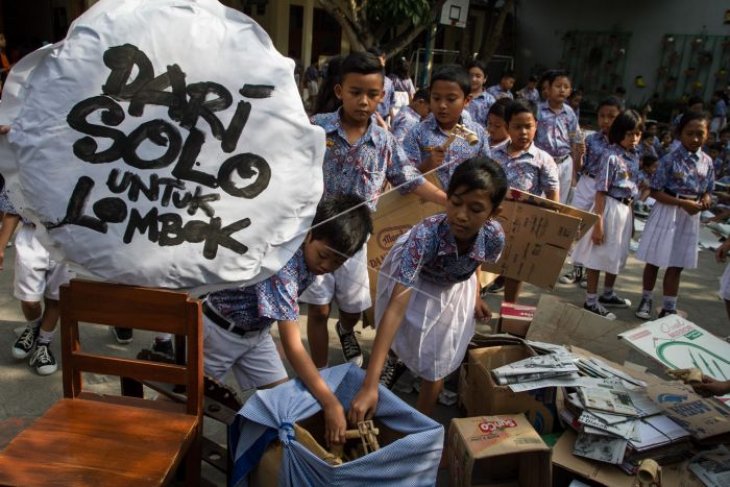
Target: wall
[541, 25]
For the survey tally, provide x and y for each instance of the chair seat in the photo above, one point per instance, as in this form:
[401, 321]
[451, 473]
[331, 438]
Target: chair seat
[83, 442]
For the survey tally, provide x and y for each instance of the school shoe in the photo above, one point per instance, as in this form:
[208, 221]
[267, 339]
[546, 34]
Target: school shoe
[25, 342]
[393, 368]
[613, 301]
[350, 347]
[43, 360]
[599, 310]
[123, 336]
[644, 309]
[665, 312]
[572, 277]
[164, 348]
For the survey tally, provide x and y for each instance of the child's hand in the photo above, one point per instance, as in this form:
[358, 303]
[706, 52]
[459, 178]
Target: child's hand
[721, 252]
[482, 311]
[438, 154]
[597, 235]
[706, 202]
[691, 207]
[334, 423]
[711, 387]
[363, 406]
[381, 121]
[4, 129]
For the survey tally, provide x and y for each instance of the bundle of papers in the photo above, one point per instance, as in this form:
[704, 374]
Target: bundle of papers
[712, 467]
[554, 365]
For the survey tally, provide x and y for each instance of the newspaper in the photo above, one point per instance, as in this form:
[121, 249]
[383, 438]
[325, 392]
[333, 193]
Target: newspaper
[617, 402]
[656, 431]
[712, 467]
[601, 448]
[536, 368]
[555, 382]
[623, 429]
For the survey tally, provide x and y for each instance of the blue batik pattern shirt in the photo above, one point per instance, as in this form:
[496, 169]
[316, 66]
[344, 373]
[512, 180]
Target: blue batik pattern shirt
[619, 173]
[532, 170]
[596, 144]
[684, 172]
[7, 207]
[388, 98]
[498, 92]
[529, 94]
[479, 106]
[427, 135]
[403, 122]
[362, 168]
[556, 131]
[256, 307]
[430, 252]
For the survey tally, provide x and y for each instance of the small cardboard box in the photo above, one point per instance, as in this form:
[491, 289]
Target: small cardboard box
[497, 451]
[515, 319]
[480, 394]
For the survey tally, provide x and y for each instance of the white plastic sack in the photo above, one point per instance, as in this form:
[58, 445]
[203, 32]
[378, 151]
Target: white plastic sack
[163, 143]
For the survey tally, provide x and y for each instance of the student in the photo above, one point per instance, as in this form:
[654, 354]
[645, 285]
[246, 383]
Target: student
[718, 162]
[649, 166]
[606, 247]
[360, 157]
[387, 102]
[427, 288]
[719, 112]
[681, 188]
[479, 99]
[504, 88]
[646, 146]
[527, 168]
[403, 88]
[424, 144]
[558, 133]
[529, 92]
[496, 124]
[574, 100]
[327, 101]
[665, 143]
[37, 278]
[694, 104]
[237, 320]
[409, 116]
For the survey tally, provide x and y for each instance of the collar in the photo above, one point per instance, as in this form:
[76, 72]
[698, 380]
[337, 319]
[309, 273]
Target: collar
[447, 242]
[332, 122]
[545, 106]
[686, 153]
[433, 124]
[531, 150]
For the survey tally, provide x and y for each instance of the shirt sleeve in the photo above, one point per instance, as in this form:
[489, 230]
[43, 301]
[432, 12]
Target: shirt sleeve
[411, 149]
[400, 171]
[277, 296]
[419, 248]
[548, 174]
[661, 176]
[606, 173]
[710, 177]
[494, 241]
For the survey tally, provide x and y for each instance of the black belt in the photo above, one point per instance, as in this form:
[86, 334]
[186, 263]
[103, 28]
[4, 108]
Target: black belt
[213, 316]
[626, 201]
[690, 197]
[560, 159]
[588, 175]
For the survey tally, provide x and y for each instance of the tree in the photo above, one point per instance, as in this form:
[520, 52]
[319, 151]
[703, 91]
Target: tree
[493, 35]
[366, 23]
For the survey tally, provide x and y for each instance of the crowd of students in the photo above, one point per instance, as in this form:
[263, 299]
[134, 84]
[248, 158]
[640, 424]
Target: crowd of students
[428, 293]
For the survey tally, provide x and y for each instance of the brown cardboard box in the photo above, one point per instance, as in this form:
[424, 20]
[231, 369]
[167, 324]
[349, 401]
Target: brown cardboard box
[491, 451]
[515, 319]
[479, 394]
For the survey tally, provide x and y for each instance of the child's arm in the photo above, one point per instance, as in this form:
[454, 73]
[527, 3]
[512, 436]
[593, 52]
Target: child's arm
[434, 160]
[721, 252]
[553, 195]
[429, 192]
[645, 192]
[598, 208]
[334, 413]
[365, 401]
[712, 387]
[10, 223]
[690, 206]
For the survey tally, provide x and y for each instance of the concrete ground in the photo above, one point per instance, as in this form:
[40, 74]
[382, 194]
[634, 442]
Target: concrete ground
[24, 395]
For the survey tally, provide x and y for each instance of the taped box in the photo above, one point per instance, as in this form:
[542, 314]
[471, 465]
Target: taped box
[515, 319]
[497, 451]
[479, 394]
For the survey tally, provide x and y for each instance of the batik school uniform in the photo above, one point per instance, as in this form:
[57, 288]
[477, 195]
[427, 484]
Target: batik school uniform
[427, 135]
[498, 92]
[237, 321]
[719, 116]
[498, 145]
[361, 169]
[584, 194]
[556, 132]
[479, 107]
[388, 100]
[617, 177]
[439, 320]
[529, 94]
[671, 234]
[403, 122]
[532, 170]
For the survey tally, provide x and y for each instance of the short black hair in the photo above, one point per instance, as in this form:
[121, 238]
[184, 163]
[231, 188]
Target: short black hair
[532, 79]
[651, 123]
[718, 146]
[626, 121]
[480, 173]
[611, 101]
[455, 74]
[648, 160]
[360, 63]
[498, 107]
[475, 63]
[688, 117]
[554, 74]
[344, 222]
[326, 100]
[421, 94]
[508, 74]
[519, 106]
[376, 51]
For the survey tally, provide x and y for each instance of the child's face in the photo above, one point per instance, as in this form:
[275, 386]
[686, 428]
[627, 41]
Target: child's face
[320, 257]
[606, 116]
[531, 84]
[725, 137]
[447, 102]
[507, 83]
[360, 95]
[714, 154]
[693, 135]
[477, 78]
[421, 107]
[575, 101]
[631, 139]
[496, 128]
[521, 129]
[467, 211]
[666, 139]
[559, 90]
[651, 169]
[651, 130]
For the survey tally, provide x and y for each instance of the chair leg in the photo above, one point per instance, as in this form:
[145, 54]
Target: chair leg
[193, 459]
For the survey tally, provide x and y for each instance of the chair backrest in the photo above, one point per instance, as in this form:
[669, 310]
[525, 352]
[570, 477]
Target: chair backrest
[138, 308]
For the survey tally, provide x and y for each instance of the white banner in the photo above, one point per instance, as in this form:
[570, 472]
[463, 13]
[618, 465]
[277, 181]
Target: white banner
[163, 143]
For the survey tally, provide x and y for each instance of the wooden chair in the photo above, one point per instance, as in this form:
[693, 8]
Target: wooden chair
[88, 439]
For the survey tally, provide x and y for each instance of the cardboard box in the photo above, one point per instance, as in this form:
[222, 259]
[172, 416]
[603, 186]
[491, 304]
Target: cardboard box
[493, 451]
[481, 395]
[515, 318]
[539, 234]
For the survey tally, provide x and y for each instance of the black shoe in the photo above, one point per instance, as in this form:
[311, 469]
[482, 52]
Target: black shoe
[393, 368]
[123, 336]
[164, 348]
[644, 309]
[43, 360]
[350, 347]
[613, 301]
[25, 342]
[665, 312]
[599, 310]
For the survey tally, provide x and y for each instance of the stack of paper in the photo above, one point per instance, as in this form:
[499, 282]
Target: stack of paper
[539, 367]
[712, 467]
